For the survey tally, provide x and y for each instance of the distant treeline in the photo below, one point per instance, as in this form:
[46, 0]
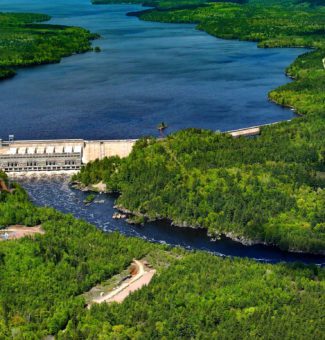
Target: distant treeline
[168, 4]
[177, 4]
[23, 43]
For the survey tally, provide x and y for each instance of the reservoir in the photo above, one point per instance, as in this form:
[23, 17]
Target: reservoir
[146, 73]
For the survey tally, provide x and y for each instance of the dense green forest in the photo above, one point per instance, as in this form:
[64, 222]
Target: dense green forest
[264, 189]
[193, 295]
[206, 297]
[41, 278]
[268, 189]
[24, 42]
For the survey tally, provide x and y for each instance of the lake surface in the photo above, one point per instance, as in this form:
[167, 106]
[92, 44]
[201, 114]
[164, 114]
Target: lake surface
[146, 73]
[56, 193]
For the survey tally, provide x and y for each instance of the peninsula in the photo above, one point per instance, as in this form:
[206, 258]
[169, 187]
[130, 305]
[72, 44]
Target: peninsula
[25, 42]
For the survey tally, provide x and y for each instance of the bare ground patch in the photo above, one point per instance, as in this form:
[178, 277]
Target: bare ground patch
[18, 231]
[138, 275]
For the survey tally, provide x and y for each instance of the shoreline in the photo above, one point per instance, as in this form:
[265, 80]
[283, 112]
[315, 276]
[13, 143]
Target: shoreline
[159, 231]
[9, 71]
[212, 236]
[152, 8]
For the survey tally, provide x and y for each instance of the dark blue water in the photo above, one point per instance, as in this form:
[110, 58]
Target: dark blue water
[56, 193]
[146, 73]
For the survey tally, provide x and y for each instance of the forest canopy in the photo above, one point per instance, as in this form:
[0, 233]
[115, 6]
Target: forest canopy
[24, 41]
[193, 295]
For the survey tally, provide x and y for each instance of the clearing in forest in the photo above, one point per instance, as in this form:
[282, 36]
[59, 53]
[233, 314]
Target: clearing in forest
[18, 231]
[138, 275]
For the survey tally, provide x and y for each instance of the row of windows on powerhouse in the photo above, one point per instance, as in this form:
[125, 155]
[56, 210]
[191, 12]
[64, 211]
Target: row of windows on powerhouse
[15, 164]
[63, 167]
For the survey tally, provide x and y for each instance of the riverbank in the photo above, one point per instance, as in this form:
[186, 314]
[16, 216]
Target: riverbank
[57, 193]
[138, 218]
[51, 273]
[247, 175]
[251, 22]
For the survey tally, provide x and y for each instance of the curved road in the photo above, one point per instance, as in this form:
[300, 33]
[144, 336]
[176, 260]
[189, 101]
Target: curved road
[142, 278]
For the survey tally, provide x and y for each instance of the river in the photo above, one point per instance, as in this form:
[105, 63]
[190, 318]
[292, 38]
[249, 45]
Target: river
[146, 73]
[56, 192]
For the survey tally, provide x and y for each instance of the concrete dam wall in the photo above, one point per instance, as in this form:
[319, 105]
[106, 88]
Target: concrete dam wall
[71, 154]
[99, 149]
[58, 155]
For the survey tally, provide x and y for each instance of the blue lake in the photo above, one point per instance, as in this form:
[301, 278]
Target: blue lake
[146, 73]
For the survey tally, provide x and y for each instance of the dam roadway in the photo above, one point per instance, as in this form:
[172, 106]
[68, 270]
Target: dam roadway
[62, 155]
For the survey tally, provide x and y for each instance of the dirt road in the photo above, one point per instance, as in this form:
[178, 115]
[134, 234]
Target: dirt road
[18, 231]
[143, 277]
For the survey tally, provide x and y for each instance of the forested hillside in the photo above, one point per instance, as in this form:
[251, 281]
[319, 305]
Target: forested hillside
[24, 42]
[268, 189]
[193, 295]
[206, 297]
[41, 278]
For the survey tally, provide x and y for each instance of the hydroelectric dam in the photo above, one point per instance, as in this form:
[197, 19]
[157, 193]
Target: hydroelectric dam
[59, 155]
